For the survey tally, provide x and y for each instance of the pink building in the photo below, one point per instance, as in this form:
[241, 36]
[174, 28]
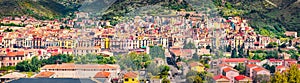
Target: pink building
[275, 62]
[220, 79]
[249, 69]
[230, 73]
[221, 67]
[242, 79]
[281, 68]
[12, 58]
[234, 61]
[257, 62]
[260, 71]
[287, 62]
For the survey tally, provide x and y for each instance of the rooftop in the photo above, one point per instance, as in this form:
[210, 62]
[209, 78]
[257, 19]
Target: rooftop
[220, 77]
[241, 77]
[130, 75]
[102, 74]
[52, 80]
[79, 66]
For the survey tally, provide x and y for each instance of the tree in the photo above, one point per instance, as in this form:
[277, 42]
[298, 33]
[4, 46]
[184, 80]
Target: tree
[178, 59]
[23, 66]
[153, 69]
[166, 80]
[271, 54]
[279, 78]
[241, 68]
[272, 45]
[261, 78]
[195, 57]
[241, 51]
[234, 54]
[29, 66]
[283, 45]
[187, 16]
[194, 79]
[293, 74]
[294, 54]
[256, 57]
[164, 71]
[157, 52]
[7, 68]
[191, 73]
[61, 58]
[8, 30]
[189, 45]
[35, 64]
[268, 67]
[207, 47]
[134, 61]
[228, 48]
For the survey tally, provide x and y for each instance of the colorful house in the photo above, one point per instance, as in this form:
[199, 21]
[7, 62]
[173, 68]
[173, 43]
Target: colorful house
[195, 66]
[230, 73]
[220, 79]
[242, 79]
[46, 74]
[249, 69]
[130, 77]
[103, 77]
[260, 71]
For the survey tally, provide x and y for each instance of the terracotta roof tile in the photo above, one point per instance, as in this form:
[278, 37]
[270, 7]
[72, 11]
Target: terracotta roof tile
[280, 66]
[130, 75]
[275, 60]
[11, 54]
[79, 66]
[235, 60]
[241, 77]
[222, 65]
[251, 65]
[259, 69]
[220, 77]
[253, 60]
[44, 74]
[229, 69]
[193, 64]
[102, 74]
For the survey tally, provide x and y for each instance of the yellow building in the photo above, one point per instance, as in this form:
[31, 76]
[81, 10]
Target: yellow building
[195, 66]
[130, 77]
[66, 44]
[106, 43]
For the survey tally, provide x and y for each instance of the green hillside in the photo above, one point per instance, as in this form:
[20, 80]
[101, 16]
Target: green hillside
[268, 17]
[121, 7]
[40, 9]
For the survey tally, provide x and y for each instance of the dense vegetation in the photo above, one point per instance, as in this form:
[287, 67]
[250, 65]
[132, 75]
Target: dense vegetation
[91, 58]
[268, 17]
[189, 45]
[122, 7]
[196, 77]
[40, 9]
[134, 61]
[157, 52]
[290, 76]
[34, 64]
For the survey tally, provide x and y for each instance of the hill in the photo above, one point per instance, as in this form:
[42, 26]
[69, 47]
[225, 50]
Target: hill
[115, 10]
[40, 9]
[268, 17]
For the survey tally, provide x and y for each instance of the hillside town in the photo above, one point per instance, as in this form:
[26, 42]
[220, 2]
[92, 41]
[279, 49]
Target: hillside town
[188, 47]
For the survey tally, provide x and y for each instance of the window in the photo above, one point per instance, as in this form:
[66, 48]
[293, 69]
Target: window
[126, 79]
[132, 79]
